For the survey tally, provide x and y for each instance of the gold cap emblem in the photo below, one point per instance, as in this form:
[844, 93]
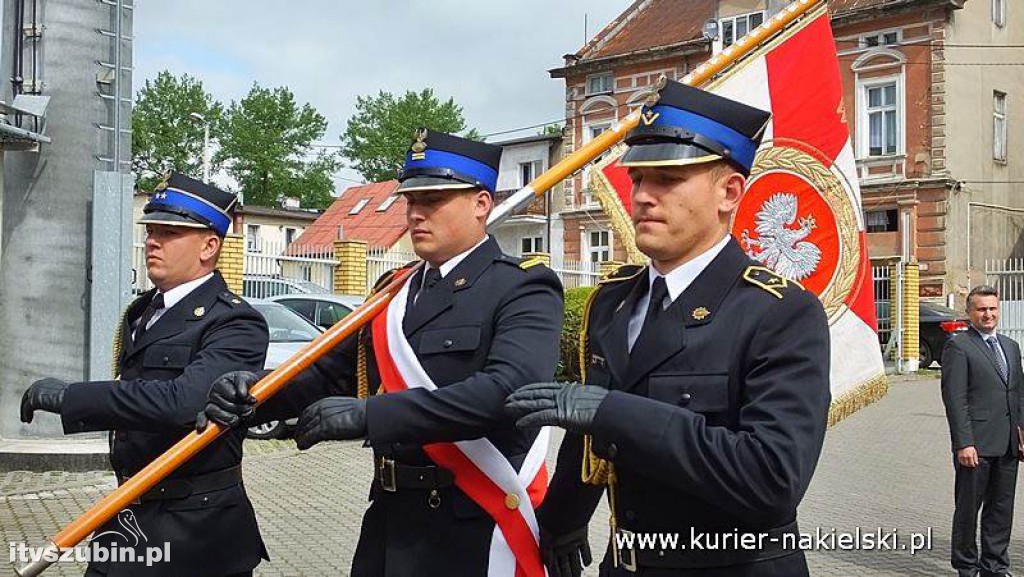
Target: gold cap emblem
[420, 145]
[649, 117]
[701, 313]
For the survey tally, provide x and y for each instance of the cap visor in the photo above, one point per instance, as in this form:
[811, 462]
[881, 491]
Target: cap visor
[430, 183]
[170, 219]
[666, 154]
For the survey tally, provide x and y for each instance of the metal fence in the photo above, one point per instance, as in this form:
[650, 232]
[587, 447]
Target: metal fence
[883, 299]
[574, 273]
[140, 280]
[380, 261]
[1007, 276]
[271, 269]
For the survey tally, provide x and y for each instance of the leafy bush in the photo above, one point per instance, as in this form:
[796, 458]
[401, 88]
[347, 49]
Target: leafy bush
[569, 347]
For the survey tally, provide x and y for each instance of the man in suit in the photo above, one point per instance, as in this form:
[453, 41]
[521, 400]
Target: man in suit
[172, 343]
[706, 392]
[468, 329]
[981, 389]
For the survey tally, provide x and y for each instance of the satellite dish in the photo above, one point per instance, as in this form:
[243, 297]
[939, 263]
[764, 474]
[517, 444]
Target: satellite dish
[711, 29]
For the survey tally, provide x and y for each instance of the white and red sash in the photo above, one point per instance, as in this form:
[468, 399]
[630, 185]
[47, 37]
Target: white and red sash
[481, 471]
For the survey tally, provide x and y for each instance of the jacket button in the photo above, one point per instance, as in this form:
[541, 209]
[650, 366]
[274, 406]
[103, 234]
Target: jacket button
[167, 360]
[447, 343]
[613, 451]
[685, 399]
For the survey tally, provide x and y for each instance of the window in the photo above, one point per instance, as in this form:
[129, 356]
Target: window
[599, 246]
[885, 220]
[289, 235]
[999, 126]
[600, 84]
[732, 29]
[999, 13]
[304, 307]
[329, 313]
[387, 203]
[531, 244]
[883, 119]
[528, 171]
[359, 206]
[252, 237]
[881, 39]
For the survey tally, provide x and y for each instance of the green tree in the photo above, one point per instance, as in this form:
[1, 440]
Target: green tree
[164, 136]
[267, 148]
[378, 136]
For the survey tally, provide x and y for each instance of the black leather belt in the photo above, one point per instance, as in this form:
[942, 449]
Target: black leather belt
[183, 487]
[771, 546]
[391, 476]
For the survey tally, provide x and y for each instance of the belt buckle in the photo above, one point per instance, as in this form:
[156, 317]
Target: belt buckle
[388, 481]
[626, 558]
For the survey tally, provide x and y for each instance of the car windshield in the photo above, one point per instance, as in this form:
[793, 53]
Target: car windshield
[285, 325]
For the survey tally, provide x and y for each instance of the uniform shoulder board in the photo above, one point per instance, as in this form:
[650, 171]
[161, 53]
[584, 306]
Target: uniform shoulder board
[624, 272]
[530, 262]
[769, 281]
[231, 298]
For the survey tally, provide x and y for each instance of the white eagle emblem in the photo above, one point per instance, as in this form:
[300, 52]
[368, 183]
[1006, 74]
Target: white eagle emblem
[778, 247]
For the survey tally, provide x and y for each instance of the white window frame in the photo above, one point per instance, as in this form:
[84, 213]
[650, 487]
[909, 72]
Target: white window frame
[536, 244]
[999, 12]
[607, 84]
[252, 237]
[1000, 133]
[720, 42]
[535, 166]
[586, 199]
[590, 249]
[290, 229]
[359, 206]
[863, 115]
[384, 206]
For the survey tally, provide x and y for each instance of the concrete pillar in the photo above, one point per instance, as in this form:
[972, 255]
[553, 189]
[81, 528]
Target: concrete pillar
[232, 262]
[350, 274]
[911, 317]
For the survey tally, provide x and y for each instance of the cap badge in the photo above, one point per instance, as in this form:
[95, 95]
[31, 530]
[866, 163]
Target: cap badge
[420, 146]
[649, 117]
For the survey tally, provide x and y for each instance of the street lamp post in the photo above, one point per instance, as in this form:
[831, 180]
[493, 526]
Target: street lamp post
[195, 116]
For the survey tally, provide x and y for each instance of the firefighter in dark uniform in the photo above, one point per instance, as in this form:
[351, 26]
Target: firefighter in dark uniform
[481, 324]
[706, 390]
[172, 343]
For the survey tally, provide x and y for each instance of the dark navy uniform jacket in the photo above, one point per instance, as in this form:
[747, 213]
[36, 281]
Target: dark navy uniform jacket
[717, 425]
[163, 385]
[487, 328]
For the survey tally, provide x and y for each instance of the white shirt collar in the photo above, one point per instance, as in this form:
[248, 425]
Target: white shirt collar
[683, 275]
[983, 334]
[455, 260]
[174, 296]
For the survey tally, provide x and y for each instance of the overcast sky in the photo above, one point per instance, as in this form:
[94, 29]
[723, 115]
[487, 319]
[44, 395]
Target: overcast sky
[492, 57]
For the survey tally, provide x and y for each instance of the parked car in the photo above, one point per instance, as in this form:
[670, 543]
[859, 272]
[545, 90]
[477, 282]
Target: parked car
[261, 287]
[289, 332]
[935, 326]
[323, 310]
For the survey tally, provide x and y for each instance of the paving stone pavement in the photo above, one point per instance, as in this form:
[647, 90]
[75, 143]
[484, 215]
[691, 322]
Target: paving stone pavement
[887, 466]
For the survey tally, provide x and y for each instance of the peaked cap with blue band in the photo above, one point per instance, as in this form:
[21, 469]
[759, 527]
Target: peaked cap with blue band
[439, 161]
[688, 125]
[184, 201]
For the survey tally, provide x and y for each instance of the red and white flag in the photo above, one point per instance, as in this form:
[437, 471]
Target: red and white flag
[481, 471]
[801, 215]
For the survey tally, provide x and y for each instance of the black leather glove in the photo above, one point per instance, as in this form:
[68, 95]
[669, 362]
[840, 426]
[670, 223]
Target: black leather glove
[565, 555]
[570, 406]
[331, 419]
[229, 403]
[43, 395]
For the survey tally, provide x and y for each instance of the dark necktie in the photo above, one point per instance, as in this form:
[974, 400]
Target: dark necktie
[994, 345]
[428, 281]
[147, 315]
[659, 292]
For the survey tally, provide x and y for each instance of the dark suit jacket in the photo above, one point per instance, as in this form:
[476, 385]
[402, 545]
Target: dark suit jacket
[981, 407]
[486, 329]
[717, 424]
[164, 381]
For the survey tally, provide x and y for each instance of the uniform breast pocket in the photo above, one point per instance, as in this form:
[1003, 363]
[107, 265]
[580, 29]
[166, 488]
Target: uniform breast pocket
[598, 376]
[449, 340]
[700, 393]
[167, 357]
